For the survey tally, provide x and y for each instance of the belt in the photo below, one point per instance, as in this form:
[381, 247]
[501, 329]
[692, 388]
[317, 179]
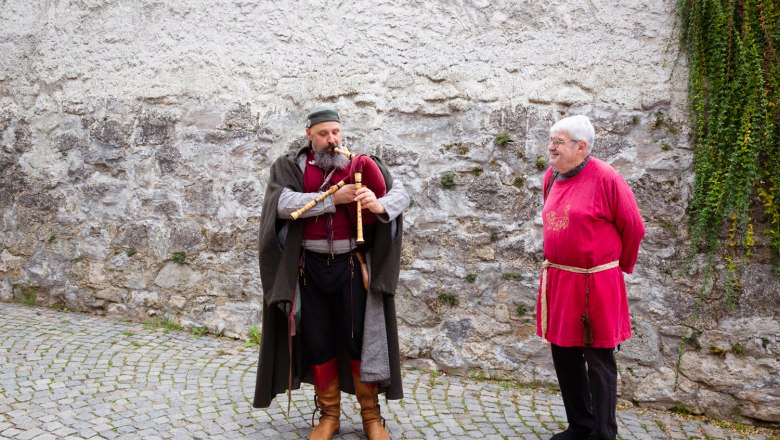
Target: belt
[546, 265]
[329, 255]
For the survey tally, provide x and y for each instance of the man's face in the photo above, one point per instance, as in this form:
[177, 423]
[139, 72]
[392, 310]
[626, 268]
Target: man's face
[565, 153]
[325, 135]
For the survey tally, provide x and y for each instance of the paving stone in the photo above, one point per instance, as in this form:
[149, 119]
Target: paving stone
[10, 433]
[29, 434]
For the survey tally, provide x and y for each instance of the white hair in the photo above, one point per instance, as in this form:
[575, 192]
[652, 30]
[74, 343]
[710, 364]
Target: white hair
[578, 128]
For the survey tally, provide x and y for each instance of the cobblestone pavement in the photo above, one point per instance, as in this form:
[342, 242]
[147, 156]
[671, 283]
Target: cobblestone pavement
[75, 376]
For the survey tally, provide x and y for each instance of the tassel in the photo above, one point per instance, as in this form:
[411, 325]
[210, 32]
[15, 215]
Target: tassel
[588, 331]
[588, 340]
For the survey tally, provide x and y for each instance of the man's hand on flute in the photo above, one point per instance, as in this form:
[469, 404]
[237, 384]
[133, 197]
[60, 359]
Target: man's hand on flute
[369, 201]
[348, 194]
[345, 194]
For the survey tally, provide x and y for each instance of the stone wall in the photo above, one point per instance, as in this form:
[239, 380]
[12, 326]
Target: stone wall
[137, 134]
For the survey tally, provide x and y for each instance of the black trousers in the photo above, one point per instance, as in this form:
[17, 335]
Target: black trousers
[333, 307]
[588, 381]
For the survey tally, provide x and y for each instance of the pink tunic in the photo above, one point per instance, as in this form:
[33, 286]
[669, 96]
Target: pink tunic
[589, 220]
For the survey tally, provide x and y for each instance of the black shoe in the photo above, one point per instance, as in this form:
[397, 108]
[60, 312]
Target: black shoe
[565, 435]
[569, 434]
[594, 437]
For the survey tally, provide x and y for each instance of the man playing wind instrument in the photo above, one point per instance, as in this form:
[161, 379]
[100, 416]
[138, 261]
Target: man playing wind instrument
[592, 231]
[328, 311]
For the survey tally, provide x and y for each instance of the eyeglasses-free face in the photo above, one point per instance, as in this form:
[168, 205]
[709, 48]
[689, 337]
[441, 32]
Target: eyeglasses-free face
[325, 135]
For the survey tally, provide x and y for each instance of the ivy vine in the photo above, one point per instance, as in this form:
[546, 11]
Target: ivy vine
[734, 93]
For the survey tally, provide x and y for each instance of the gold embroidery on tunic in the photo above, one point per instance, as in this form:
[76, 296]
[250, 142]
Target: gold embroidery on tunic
[556, 224]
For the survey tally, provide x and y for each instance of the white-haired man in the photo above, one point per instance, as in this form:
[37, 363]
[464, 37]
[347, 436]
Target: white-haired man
[592, 232]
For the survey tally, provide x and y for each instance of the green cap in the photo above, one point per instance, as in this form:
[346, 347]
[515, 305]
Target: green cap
[322, 114]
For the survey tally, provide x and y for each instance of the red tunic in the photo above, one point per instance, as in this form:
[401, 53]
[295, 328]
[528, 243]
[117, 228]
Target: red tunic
[589, 220]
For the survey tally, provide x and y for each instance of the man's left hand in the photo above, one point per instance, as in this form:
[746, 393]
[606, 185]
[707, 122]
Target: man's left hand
[369, 201]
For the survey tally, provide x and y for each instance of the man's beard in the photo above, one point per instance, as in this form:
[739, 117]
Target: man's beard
[327, 158]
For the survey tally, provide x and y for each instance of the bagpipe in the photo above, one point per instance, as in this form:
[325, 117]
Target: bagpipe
[363, 171]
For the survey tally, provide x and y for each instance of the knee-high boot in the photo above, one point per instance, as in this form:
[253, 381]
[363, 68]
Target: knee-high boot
[327, 399]
[368, 397]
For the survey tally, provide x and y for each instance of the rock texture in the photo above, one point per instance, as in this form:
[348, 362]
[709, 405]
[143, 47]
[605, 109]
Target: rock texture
[135, 139]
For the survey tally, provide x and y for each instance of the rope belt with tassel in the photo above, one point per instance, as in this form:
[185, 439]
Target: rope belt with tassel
[588, 339]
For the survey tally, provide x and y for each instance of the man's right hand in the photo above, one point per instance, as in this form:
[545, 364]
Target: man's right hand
[346, 194]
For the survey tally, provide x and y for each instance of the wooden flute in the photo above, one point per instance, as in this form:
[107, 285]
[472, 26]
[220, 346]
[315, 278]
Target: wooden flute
[358, 185]
[318, 199]
[344, 152]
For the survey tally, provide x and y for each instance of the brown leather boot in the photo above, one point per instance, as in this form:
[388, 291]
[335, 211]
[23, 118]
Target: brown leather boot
[327, 399]
[368, 397]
